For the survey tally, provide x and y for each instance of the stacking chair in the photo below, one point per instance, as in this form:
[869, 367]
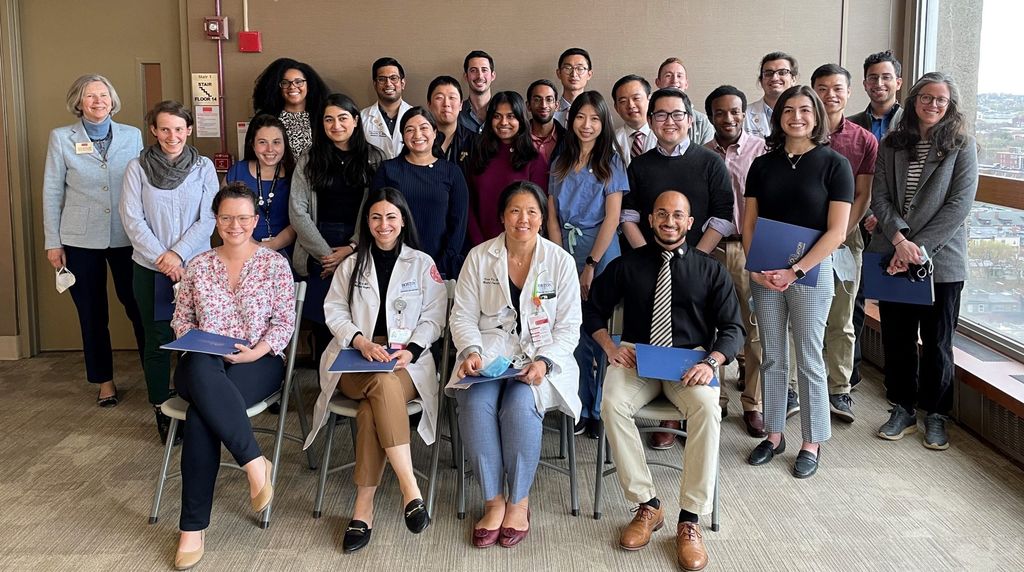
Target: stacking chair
[661, 409]
[177, 409]
[340, 406]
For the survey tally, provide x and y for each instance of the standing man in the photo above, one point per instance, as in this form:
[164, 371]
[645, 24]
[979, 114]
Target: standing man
[672, 295]
[444, 96]
[671, 73]
[380, 119]
[778, 72]
[548, 135]
[677, 164]
[727, 107]
[574, 71]
[631, 94]
[478, 69]
[832, 84]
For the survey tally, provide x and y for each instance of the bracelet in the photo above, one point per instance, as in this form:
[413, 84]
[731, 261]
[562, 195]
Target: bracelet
[900, 242]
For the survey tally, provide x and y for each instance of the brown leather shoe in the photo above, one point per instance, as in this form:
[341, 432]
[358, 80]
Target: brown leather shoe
[637, 533]
[755, 424]
[664, 440]
[690, 550]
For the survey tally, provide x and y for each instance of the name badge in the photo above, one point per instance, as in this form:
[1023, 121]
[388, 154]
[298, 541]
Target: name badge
[398, 338]
[546, 290]
[410, 286]
[84, 148]
[540, 329]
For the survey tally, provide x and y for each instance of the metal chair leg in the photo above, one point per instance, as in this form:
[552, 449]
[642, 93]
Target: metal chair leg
[435, 454]
[715, 523]
[172, 431]
[453, 431]
[562, 438]
[574, 493]
[599, 472]
[460, 487]
[325, 462]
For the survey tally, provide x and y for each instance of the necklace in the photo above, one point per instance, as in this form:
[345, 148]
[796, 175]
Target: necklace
[792, 163]
[264, 204]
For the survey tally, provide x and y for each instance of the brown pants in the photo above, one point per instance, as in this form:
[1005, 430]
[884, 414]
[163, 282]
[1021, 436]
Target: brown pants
[382, 420]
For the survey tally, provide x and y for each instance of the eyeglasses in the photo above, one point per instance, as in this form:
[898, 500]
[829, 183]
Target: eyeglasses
[580, 69]
[242, 219]
[538, 99]
[678, 216]
[875, 78]
[284, 83]
[384, 79]
[768, 74]
[929, 99]
[662, 116]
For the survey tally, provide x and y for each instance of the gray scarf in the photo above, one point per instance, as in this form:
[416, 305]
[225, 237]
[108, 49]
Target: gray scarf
[164, 173]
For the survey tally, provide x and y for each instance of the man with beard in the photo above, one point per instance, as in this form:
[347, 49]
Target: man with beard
[444, 95]
[548, 136]
[672, 295]
[478, 69]
[778, 72]
[671, 73]
[630, 95]
[380, 119]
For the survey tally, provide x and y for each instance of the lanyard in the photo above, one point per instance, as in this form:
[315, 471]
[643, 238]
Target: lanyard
[265, 205]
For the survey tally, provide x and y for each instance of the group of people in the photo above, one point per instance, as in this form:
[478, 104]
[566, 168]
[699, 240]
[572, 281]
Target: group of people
[550, 218]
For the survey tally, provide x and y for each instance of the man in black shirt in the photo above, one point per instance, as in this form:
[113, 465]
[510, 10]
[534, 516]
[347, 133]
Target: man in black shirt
[702, 313]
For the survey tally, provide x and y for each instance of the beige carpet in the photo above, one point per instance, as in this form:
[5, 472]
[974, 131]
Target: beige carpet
[76, 485]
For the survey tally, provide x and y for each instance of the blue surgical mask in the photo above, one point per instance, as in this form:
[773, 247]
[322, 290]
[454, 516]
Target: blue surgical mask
[496, 367]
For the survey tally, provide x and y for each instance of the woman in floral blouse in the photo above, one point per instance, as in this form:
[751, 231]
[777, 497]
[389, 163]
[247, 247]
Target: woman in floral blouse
[243, 290]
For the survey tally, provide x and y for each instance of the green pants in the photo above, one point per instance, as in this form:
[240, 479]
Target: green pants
[156, 363]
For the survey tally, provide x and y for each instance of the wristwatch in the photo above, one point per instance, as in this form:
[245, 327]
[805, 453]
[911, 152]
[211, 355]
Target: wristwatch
[550, 365]
[796, 270]
[711, 361]
[591, 261]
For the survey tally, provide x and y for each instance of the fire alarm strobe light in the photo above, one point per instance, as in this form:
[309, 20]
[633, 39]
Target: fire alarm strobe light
[216, 27]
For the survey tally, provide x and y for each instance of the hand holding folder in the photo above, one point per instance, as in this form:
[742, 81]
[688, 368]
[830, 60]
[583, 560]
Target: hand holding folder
[198, 341]
[352, 361]
[778, 245]
[667, 364]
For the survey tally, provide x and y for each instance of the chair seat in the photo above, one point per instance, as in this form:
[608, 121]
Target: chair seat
[661, 409]
[176, 407]
[341, 405]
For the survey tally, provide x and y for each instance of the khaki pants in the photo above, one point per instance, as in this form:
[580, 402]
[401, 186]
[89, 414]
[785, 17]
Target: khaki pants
[840, 337]
[624, 394]
[382, 419]
[734, 261]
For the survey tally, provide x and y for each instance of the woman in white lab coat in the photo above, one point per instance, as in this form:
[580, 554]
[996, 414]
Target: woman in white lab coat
[517, 302]
[410, 318]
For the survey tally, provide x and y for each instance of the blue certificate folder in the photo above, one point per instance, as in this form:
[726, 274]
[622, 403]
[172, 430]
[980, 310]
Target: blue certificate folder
[352, 361]
[667, 364]
[163, 298]
[205, 343]
[472, 379]
[777, 245]
[880, 285]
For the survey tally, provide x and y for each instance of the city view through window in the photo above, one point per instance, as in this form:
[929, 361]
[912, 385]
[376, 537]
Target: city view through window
[993, 297]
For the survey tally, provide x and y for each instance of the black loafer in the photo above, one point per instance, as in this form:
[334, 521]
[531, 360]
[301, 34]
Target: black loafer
[806, 464]
[108, 401]
[416, 517]
[765, 452]
[357, 536]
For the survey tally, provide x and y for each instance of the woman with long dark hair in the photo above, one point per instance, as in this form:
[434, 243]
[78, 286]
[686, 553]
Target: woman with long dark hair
[588, 181]
[503, 153]
[292, 91]
[434, 187]
[925, 182]
[328, 188]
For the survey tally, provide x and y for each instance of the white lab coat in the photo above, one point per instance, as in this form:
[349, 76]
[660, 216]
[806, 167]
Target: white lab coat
[414, 279]
[376, 130]
[482, 293]
[755, 123]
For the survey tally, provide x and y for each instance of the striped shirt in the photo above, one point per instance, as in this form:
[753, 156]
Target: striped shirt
[914, 172]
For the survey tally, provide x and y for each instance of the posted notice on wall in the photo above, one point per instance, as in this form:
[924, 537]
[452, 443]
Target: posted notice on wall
[207, 120]
[240, 128]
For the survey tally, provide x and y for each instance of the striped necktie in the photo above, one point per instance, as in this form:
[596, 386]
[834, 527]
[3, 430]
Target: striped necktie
[661, 316]
[638, 145]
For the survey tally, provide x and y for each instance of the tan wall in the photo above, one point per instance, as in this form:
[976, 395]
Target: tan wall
[61, 40]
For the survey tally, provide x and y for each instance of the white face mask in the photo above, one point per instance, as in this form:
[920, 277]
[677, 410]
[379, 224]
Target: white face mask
[65, 279]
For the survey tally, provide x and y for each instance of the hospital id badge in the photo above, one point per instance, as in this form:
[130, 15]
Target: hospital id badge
[398, 338]
[540, 329]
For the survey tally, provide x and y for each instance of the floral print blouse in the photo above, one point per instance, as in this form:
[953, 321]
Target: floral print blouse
[261, 308]
[297, 125]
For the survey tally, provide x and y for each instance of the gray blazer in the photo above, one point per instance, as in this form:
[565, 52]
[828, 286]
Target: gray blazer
[81, 191]
[937, 217]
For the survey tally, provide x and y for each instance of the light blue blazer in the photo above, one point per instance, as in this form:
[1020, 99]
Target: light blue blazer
[81, 191]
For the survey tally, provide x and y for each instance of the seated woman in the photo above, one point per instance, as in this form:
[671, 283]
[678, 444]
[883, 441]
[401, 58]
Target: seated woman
[243, 290]
[409, 320]
[518, 302]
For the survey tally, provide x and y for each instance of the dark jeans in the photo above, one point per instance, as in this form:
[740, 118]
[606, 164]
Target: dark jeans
[924, 379]
[156, 363]
[89, 265]
[218, 394]
[336, 234]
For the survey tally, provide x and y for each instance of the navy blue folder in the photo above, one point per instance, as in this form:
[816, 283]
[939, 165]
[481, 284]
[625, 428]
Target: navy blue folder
[880, 285]
[777, 245]
[474, 379]
[198, 341]
[667, 364]
[163, 297]
[352, 361]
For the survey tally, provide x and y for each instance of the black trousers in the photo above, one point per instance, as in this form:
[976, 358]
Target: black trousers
[925, 379]
[89, 265]
[218, 394]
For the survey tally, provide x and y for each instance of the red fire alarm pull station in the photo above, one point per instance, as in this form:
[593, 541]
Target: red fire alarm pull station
[221, 161]
[216, 27]
[250, 42]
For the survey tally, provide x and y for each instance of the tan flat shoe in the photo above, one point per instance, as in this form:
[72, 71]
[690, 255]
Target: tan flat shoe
[185, 560]
[266, 494]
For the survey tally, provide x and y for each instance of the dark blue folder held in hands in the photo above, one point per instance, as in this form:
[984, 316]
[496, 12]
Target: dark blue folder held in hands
[882, 286]
[473, 379]
[667, 364]
[352, 361]
[777, 245]
[205, 343]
